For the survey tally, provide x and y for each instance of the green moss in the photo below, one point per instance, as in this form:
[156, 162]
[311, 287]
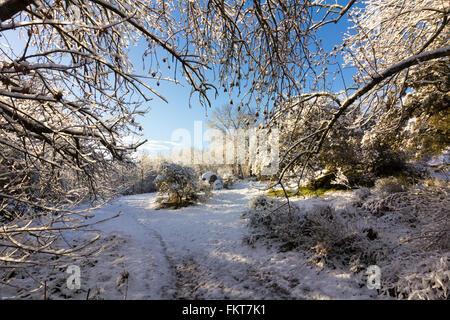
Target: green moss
[304, 192]
[279, 193]
[319, 187]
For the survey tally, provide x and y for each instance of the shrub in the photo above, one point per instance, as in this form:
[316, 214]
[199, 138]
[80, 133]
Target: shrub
[429, 280]
[286, 222]
[418, 276]
[430, 206]
[379, 157]
[265, 214]
[382, 203]
[143, 183]
[318, 230]
[179, 183]
[390, 185]
[228, 181]
[417, 221]
[362, 194]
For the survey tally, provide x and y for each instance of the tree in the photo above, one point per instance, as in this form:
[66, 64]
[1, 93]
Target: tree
[231, 122]
[227, 118]
[340, 149]
[418, 124]
[391, 41]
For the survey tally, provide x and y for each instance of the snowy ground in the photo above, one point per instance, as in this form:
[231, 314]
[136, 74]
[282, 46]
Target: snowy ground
[190, 253]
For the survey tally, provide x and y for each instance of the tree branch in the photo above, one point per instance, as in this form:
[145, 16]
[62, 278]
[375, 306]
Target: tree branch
[392, 70]
[9, 8]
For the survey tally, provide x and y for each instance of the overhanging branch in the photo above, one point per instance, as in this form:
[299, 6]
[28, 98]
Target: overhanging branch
[392, 70]
[8, 8]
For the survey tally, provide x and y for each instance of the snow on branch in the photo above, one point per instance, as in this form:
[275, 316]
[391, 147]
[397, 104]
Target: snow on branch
[394, 69]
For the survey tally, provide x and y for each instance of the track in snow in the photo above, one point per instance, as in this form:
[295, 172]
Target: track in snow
[198, 253]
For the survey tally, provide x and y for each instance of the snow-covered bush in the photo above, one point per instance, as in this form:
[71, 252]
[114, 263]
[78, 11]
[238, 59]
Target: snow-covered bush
[179, 183]
[416, 224]
[425, 204]
[387, 186]
[379, 157]
[430, 206]
[228, 181]
[408, 240]
[416, 275]
[361, 195]
[339, 243]
[318, 230]
[379, 200]
[267, 213]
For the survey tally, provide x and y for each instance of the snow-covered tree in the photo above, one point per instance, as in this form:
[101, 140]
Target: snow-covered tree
[418, 124]
[233, 123]
[138, 176]
[406, 110]
[385, 32]
[389, 42]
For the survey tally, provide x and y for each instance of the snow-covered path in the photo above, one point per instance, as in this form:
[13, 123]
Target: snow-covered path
[197, 253]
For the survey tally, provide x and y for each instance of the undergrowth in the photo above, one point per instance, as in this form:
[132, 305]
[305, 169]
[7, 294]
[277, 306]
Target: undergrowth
[402, 228]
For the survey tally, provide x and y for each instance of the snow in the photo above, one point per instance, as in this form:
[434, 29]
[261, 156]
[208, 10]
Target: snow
[207, 176]
[439, 166]
[194, 252]
[441, 160]
[218, 184]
